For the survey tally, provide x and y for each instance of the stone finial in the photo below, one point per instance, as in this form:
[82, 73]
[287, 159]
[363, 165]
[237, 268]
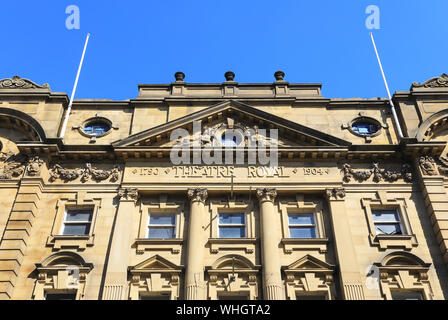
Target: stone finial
[229, 75]
[180, 76]
[279, 75]
[266, 194]
[197, 195]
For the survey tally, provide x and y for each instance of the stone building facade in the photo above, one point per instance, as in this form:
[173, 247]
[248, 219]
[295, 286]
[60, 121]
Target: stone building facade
[352, 211]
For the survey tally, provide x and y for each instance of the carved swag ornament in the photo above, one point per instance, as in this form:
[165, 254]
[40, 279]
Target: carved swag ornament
[378, 173]
[12, 165]
[86, 174]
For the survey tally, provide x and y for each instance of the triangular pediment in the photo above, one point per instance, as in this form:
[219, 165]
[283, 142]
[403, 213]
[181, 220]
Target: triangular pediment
[233, 114]
[309, 262]
[156, 263]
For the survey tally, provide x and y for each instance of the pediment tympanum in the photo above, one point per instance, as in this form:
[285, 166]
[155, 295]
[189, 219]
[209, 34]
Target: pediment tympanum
[233, 115]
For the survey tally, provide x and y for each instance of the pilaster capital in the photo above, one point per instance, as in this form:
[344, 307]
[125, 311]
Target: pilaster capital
[266, 194]
[335, 194]
[197, 194]
[128, 194]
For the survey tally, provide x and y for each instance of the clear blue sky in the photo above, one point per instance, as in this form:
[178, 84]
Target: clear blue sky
[148, 41]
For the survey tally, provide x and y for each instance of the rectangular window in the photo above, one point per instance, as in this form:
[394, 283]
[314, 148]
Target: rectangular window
[77, 222]
[406, 295]
[232, 225]
[150, 296]
[162, 226]
[387, 222]
[60, 296]
[234, 297]
[302, 226]
[311, 296]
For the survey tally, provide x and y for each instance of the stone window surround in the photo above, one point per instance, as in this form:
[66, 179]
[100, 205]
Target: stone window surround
[80, 242]
[298, 207]
[61, 278]
[142, 243]
[97, 118]
[362, 117]
[164, 280]
[407, 240]
[248, 243]
[413, 277]
[316, 280]
[242, 280]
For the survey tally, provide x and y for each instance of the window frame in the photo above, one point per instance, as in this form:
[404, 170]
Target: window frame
[156, 226]
[56, 239]
[232, 225]
[303, 226]
[65, 222]
[406, 240]
[399, 222]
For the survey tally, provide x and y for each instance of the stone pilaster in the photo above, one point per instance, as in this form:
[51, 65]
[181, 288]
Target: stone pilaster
[436, 200]
[17, 233]
[115, 285]
[350, 276]
[194, 278]
[272, 279]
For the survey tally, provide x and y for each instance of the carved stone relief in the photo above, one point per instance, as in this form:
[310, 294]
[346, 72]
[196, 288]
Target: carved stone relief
[377, 173]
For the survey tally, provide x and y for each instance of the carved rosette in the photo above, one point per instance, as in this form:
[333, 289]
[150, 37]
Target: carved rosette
[197, 195]
[335, 194]
[266, 194]
[428, 166]
[34, 166]
[128, 194]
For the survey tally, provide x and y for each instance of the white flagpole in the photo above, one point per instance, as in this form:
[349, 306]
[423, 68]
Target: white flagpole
[397, 124]
[69, 109]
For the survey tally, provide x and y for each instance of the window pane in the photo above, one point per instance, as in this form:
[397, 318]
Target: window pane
[225, 218]
[297, 219]
[159, 219]
[302, 233]
[79, 215]
[76, 229]
[60, 296]
[406, 295]
[232, 232]
[313, 296]
[154, 297]
[161, 233]
[385, 215]
[389, 229]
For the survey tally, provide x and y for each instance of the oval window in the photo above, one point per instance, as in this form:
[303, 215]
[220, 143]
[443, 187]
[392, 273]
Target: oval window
[231, 138]
[96, 128]
[365, 128]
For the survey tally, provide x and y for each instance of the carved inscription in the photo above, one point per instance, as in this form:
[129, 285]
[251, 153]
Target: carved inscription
[250, 172]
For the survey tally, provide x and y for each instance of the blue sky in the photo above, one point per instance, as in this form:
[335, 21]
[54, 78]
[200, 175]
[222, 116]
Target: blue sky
[136, 42]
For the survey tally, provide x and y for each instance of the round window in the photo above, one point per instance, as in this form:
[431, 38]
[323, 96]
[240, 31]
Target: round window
[96, 128]
[365, 128]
